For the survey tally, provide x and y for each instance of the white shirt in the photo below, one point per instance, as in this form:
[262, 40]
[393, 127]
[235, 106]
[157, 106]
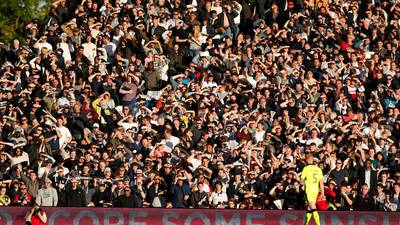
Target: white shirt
[368, 178]
[259, 136]
[46, 44]
[317, 141]
[172, 142]
[207, 84]
[366, 131]
[128, 126]
[195, 163]
[236, 20]
[217, 198]
[66, 53]
[89, 50]
[65, 135]
[63, 101]
[217, 9]
[19, 159]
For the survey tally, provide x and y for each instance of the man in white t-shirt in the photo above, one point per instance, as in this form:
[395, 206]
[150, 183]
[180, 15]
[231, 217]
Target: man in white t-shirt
[170, 140]
[42, 43]
[89, 49]
[65, 134]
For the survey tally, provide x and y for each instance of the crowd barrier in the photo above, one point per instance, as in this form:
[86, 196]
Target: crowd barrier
[115, 216]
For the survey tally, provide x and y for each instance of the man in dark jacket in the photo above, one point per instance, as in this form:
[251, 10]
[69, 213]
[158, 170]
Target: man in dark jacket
[368, 175]
[226, 19]
[75, 195]
[364, 201]
[127, 200]
[180, 193]
[199, 197]
[102, 197]
[156, 192]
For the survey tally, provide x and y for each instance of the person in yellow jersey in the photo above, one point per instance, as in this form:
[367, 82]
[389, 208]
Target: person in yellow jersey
[312, 177]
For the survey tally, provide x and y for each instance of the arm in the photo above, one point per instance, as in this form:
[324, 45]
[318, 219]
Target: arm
[272, 191]
[39, 198]
[121, 121]
[55, 197]
[348, 200]
[8, 144]
[321, 188]
[43, 217]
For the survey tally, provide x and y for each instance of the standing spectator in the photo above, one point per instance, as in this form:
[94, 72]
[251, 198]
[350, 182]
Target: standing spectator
[368, 175]
[32, 182]
[128, 200]
[4, 199]
[345, 200]
[120, 92]
[47, 195]
[102, 197]
[87, 190]
[218, 198]
[23, 198]
[180, 192]
[364, 201]
[156, 191]
[339, 174]
[75, 195]
[199, 197]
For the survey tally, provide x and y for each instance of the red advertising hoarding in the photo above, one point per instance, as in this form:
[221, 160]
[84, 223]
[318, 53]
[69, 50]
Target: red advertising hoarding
[115, 216]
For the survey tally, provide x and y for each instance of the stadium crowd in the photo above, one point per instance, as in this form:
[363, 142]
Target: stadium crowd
[202, 104]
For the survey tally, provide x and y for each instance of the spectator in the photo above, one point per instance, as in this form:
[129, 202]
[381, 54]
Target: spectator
[47, 195]
[4, 199]
[180, 192]
[102, 197]
[75, 195]
[156, 191]
[364, 201]
[32, 182]
[128, 200]
[345, 200]
[339, 174]
[23, 198]
[368, 175]
[218, 198]
[199, 197]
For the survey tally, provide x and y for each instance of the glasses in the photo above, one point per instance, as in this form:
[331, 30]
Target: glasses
[127, 190]
[23, 188]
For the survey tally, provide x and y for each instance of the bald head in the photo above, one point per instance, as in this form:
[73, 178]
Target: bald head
[309, 159]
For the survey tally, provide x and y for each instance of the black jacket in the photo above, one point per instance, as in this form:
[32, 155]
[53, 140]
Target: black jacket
[373, 178]
[76, 198]
[127, 201]
[365, 203]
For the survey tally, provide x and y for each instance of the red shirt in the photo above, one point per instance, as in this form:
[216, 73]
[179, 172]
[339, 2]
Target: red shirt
[19, 197]
[35, 219]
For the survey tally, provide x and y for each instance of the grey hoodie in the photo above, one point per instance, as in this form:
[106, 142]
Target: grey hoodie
[47, 197]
